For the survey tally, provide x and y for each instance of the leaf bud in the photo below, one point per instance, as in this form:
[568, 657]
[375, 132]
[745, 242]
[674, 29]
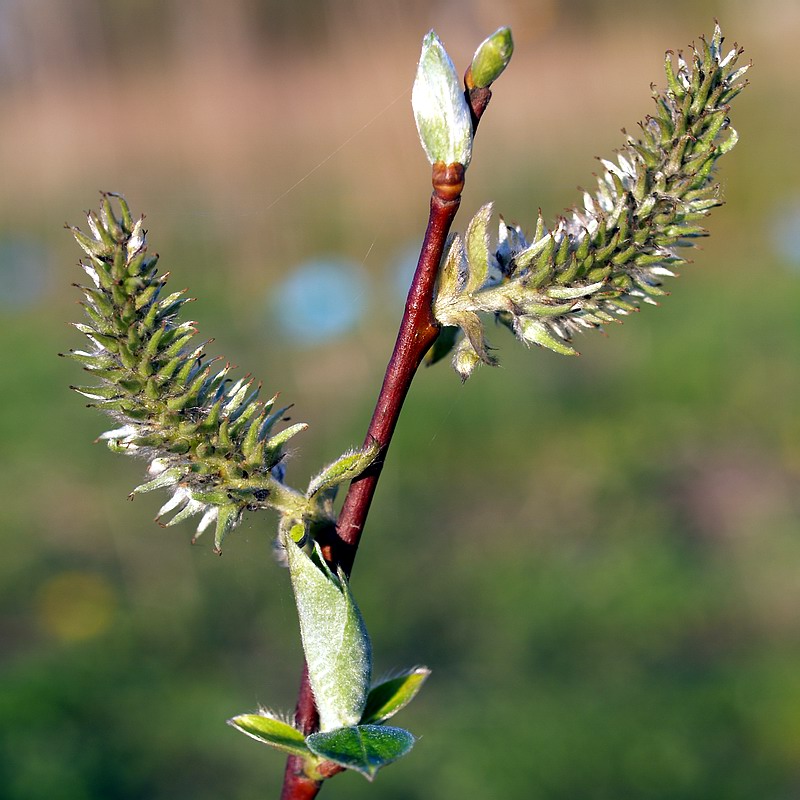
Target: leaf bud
[490, 59]
[440, 109]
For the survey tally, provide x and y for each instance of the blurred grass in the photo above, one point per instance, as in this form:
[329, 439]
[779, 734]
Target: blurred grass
[598, 556]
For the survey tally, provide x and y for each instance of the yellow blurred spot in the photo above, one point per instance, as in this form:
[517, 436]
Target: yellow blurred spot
[75, 606]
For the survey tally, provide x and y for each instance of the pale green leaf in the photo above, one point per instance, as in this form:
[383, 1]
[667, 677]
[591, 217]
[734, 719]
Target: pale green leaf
[271, 731]
[387, 698]
[451, 272]
[477, 248]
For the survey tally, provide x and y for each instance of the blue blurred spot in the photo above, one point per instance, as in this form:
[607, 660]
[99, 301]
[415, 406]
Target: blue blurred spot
[22, 273]
[403, 266]
[319, 300]
[786, 232]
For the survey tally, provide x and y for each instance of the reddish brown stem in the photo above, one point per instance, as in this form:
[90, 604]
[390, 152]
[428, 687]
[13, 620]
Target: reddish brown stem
[296, 784]
[418, 332]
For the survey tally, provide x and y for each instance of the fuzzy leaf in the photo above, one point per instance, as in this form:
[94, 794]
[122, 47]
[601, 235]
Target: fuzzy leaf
[452, 270]
[387, 698]
[477, 249]
[364, 748]
[345, 468]
[472, 326]
[335, 639]
[465, 359]
[274, 732]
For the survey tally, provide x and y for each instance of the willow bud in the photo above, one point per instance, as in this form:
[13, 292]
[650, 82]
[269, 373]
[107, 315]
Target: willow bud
[491, 58]
[440, 109]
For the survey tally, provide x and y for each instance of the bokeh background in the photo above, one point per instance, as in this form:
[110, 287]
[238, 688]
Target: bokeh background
[598, 557]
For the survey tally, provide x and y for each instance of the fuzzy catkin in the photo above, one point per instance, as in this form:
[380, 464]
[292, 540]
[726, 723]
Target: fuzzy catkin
[607, 258]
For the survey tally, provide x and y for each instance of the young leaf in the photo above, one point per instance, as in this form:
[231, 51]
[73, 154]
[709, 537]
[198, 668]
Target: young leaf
[274, 732]
[364, 748]
[445, 342]
[345, 468]
[477, 249]
[387, 698]
[335, 639]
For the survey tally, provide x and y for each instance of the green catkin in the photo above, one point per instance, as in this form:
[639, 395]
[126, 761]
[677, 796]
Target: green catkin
[614, 252]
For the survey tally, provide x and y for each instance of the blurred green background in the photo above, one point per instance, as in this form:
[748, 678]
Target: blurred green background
[598, 557]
